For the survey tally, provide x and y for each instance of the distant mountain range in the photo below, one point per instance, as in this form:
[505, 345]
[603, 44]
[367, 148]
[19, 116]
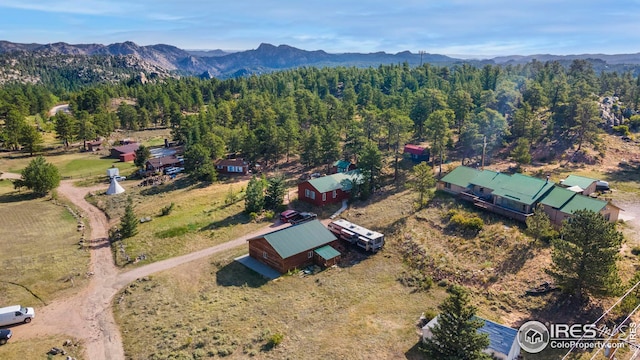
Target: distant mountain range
[267, 58]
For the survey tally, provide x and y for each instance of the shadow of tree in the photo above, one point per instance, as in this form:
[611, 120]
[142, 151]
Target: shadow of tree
[236, 274]
[235, 219]
[415, 353]
[16, 196]
[515, 260]
[177, 184]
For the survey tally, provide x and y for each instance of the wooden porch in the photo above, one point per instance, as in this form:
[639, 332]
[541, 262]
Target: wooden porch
[496, 209]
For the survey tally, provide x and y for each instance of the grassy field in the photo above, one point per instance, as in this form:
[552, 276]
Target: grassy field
[356, 312]
[39, 249]
[38, 349]
[72, 165]
[200, 218]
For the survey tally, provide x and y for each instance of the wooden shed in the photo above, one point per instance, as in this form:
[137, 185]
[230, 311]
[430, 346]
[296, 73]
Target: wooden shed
[296, 247]
[125, 152]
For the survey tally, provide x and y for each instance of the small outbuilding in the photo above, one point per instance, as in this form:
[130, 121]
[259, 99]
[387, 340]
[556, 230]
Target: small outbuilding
[125, 152]
[94, 145]
[576, 182]
[296, 247]
[341, 166]
[232, 166]
[416, 153]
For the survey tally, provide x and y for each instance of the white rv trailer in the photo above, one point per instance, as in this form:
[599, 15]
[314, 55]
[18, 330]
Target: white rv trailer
[367, 239]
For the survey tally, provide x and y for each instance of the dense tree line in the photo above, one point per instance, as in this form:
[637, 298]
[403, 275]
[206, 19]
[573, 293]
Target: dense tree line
[331, 113]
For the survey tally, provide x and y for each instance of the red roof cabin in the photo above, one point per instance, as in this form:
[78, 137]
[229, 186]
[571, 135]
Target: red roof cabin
[296, 247]
[328, 189]
[232, 166]
[125, 152]
[416, 153]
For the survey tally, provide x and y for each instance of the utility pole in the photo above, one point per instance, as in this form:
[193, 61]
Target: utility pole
[421, 52]
[484, 149]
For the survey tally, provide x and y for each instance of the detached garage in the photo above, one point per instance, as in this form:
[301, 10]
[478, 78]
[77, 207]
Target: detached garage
[296, 247]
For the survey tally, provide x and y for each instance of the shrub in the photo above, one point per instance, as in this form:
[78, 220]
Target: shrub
[269, 215]
[621, 130]
[167, 210]
[275, 340]
[463, 222]
[635, 250]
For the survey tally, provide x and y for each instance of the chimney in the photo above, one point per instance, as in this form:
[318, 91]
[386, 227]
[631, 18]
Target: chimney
[547, 179]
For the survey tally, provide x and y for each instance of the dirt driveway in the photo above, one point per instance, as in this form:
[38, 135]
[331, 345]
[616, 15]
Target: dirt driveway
[88, 315]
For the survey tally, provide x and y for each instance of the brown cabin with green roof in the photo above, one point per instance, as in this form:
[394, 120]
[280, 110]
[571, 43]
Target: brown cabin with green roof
[328, 189]
[296, 247]
[561, 203]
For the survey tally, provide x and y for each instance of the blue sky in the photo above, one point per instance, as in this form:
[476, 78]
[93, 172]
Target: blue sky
[452, 27]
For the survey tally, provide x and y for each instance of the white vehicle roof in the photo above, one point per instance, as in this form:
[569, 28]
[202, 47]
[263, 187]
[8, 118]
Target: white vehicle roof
[13, 308]
[369, 234]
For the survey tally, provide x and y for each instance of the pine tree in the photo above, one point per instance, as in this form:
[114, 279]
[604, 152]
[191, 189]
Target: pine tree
[128, 222]
[538, 224]
[254, 200]
[423, 181]
[455, 336]
[275, 192]
[584, 259]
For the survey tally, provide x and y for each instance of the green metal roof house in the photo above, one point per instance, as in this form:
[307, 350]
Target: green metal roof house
[516, 195]
[296, 247]
[587, 185]
[328, 189]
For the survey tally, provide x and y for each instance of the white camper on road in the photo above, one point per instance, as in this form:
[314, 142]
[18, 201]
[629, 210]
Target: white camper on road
[16, 314]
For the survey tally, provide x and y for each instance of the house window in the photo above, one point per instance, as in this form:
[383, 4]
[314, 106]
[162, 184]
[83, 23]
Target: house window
[220, 167]
[335, 194]
[447, 185]
[265, 255]
[324, 196]
[310, 254]
[310, 194]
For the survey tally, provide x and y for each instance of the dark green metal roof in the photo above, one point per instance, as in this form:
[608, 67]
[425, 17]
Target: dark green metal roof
[460, 176]
[523, 189]
[298, 238]
[342, 164]
[557, 197]
[580, 202]
[327, 252]
[573, 180]
[489, 179]
[336, 181]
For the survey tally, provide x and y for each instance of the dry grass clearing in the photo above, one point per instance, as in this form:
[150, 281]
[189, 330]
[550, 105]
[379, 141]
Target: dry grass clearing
[356, 312]
[38, 349]
[39, 249]
[199, 219]
[365, 308]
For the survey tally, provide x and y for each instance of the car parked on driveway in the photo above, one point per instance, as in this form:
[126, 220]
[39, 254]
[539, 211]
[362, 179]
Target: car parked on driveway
[5, 335]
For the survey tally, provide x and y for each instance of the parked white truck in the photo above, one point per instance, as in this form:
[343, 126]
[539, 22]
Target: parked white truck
[16, 314]
[367, 239]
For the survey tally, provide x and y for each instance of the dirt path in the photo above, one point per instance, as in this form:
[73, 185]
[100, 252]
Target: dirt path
[88, 315]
